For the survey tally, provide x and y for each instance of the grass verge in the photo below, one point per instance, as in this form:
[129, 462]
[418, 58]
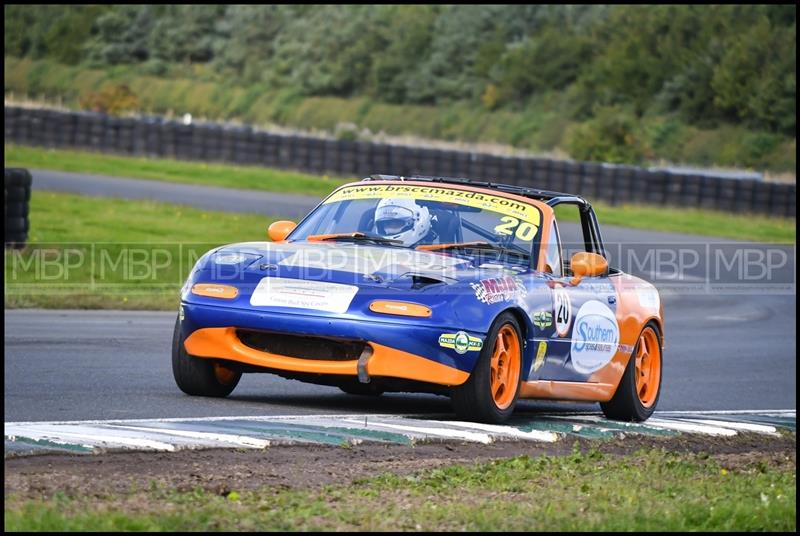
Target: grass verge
[101, 253]
[164, 169]
[755, 228]
[650, 490]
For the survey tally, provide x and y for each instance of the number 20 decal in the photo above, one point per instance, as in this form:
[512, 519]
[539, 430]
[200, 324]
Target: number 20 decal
[563, 310]
[525, 231]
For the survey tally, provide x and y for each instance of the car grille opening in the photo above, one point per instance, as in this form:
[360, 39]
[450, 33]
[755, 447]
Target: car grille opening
[301, 346]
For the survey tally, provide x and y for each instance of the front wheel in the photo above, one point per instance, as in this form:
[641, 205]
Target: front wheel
[199, 376]
[491, 392]
[638, 390]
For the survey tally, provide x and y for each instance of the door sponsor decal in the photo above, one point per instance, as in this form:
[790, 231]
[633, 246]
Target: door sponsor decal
[499, 289]
[301, 294]
[461, 342]
[563, 310]
[540, 353]
[594, 338]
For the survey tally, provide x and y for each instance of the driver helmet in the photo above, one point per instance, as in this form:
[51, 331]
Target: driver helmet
[402, 219]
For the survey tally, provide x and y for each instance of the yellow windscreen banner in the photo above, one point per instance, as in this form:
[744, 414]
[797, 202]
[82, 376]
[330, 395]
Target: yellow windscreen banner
[503, 205]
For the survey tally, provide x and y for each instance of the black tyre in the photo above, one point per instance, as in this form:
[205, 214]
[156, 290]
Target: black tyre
[17, 210]
[640, 387]
[15, 240]
[16, 225]
[17, 194]
[200, 376]
[361, 389]
[492, 390]
[17, 177]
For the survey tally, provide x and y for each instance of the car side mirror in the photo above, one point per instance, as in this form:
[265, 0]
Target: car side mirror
[280, 229]
[585, 264]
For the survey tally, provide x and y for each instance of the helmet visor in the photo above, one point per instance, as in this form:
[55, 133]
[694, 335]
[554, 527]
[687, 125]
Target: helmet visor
[392, 220]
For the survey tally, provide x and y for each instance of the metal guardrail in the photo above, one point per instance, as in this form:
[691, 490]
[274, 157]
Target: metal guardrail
[156, 137]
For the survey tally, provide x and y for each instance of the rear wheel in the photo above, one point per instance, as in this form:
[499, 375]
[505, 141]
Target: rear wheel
[200, 376]
[491, 392]
[640, 386]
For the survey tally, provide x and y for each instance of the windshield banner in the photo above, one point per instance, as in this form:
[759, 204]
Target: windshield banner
[503, 205]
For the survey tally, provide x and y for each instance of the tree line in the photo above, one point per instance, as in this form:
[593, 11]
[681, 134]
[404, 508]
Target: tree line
[706, 64]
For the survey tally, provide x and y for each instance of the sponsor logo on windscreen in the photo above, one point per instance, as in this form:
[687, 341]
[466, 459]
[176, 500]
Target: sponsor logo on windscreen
[595, 337]
[500, 289]
[500, 204]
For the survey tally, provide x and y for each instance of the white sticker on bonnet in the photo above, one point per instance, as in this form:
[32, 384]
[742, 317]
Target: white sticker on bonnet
[300, 294]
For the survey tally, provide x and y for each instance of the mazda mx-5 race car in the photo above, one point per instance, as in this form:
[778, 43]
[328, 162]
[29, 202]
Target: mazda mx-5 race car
[427, 284]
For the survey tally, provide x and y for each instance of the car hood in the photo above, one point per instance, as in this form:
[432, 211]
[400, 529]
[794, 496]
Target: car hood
[340, 280]
[354, 264]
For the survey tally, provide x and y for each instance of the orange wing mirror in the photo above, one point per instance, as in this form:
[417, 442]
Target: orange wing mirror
[585, 264]
[279, 230]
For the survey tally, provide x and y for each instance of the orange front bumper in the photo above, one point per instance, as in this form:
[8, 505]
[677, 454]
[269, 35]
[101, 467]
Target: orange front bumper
[389, 362]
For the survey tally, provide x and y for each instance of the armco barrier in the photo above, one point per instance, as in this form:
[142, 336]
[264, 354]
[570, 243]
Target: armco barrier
[157, 137]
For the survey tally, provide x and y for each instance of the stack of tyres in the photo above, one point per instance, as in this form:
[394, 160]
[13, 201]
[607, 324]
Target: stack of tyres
[17, 184]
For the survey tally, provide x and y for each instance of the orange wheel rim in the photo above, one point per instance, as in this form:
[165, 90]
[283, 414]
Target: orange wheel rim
[505, 365]
[648, 367]
[224, 375]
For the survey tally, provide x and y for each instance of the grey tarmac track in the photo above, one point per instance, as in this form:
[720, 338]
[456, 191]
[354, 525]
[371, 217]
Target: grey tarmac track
[207, 197]
[725, 350]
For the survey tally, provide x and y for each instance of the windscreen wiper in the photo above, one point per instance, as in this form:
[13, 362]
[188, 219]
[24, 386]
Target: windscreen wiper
[514, 249]
[355, 237]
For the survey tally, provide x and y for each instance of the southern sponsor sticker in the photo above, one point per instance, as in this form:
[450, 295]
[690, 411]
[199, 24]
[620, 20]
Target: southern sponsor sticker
[180, 313]
[499, 289]
[540, 353]
[461, 342]
[542, 319]
[595, 337]
[301, 294]
[563, 309]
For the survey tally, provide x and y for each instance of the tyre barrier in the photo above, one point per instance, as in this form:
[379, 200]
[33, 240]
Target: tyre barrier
[17, 186]
[157, 137]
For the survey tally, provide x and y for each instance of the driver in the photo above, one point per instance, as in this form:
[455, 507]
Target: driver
[403, 219]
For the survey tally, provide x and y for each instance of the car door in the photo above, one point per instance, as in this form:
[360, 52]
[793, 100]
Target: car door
[582, 334]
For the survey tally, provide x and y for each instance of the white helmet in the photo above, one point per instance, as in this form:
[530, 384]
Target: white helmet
[402, 219]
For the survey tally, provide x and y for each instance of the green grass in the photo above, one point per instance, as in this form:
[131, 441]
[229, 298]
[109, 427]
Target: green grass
[102, 253]
[748, 227]
[691, 221]
[651, 490]
[164, 169]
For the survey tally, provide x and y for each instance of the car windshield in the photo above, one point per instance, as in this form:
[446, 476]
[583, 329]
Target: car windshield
[433, 218]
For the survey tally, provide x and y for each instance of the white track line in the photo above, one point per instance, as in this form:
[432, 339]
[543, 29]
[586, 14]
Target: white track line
[242, 441]
[535, 435]
[440, 432]
[740, 426]
[60, 435]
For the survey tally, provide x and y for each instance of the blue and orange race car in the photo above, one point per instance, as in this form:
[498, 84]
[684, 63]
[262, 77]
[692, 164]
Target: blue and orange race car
[427, 284]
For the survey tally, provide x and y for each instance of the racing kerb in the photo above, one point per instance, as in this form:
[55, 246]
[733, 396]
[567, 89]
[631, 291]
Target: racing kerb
[92, 437]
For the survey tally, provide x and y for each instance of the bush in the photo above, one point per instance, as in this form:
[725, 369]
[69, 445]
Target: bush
[612, 136]
[112, 99]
